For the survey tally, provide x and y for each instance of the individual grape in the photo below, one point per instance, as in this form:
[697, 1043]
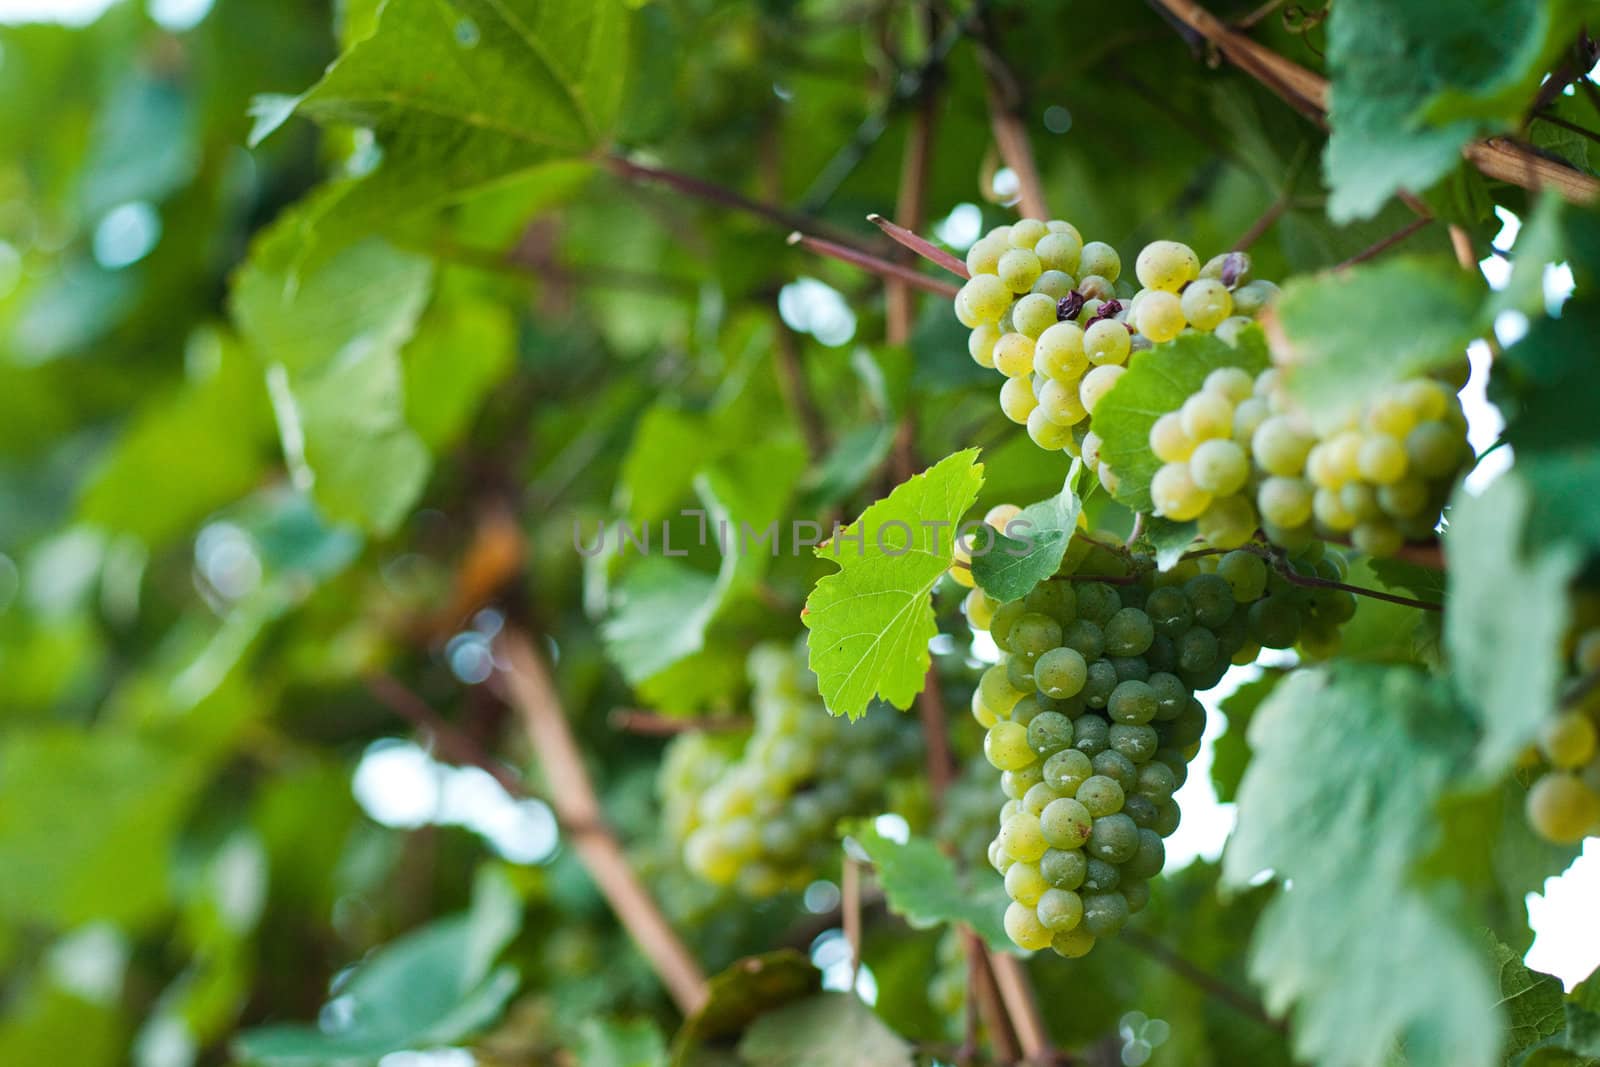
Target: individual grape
[1035, 634]
[1106, 343]
[1206, 304]
[1054, 283]
[1097, 383]
[1382, 459]
[1103, 913]
[979, 608]
[1091, 734]
[1021, 837]
[1229, 268]
[1160, 316]
[1113, 839]
[1197, 651]
[1568, 740]
[1045, 432]
[1101, 682]
[1096, 290]
[1167, 819]
[1168, 440]
[1061, 672]
[1206, 415]
[1230, 328]
[1099, 258]
[1149, 856]
[1059, 251]
[1060, 910]
[1248, 415]
[1097, 602]
[1561, 808]
[1084, 636]
[1059, 352]
[1024, 883]
[1175, 495]
[1060, 403]
[1073, 944]
[1167, 265]
[1006, 746]
[1172, 696]
[1016, 783]
[1219, 467]
[1128, 633]
[981, 342]
[1137, 894]
[1017, 399]
[1018, 269]
[1230, 382]
[1023, 927]
[1101, 795]
[1132, 702]
[1134, 741]
[1027, 233]
[1229, 522]
[985, 298]
[1049, 732]
[1404, 498]
[1013, 355]
[1169, 610]
[1434, 449]
[1100, 876]
[1284, 502]
[1377, 538]
[1156, 782]
[1279, 448]
[1250, 299]
[1064, 868]
[1211, 598]
[984, 255]
[1274, 621]
[1117, 767]
[1033, 314]
[1065, 823]
[1067, 770]
[1246, 575]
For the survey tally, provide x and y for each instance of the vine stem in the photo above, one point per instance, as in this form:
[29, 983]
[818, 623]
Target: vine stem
[1385, 243]
[872, 264]
[1280, 564]
[1004, 94]
[532, 694]
[921, 246]
[1264, 223]
[1500, 158]
[654, 724]
[1023, 1007]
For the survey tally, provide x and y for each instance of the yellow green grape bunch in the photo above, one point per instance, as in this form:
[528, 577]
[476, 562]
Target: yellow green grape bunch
[1237, 456]
[1044, 311]
[1092, 719]
[1563, 804]
[758, 813]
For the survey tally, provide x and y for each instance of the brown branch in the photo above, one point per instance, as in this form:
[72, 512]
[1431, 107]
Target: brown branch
[850, 903]
[1010, 135]
[455, 745]
[654, 724]
[983, 988]
[872, 264]
[911, 210]
[1023, 1007]
[796, 389]
[1280, 563]
[1500, 158]
[921, 246]
[1461, 245]
[1385, 244]
[1204, 980]
[532, 694]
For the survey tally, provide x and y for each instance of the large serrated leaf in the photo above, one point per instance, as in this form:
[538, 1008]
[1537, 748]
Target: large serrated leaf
[1338, 803]
[870, 623]
[923, 887]
[1159, 380]
[827, 1030]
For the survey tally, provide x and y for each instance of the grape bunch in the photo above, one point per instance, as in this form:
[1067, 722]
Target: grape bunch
[1564, 803]
[1092, 719]
[1236, 456]
[1044, 311]
[758, 813]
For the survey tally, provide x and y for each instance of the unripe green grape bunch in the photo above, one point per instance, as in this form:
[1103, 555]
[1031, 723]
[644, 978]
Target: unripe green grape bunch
[1237, 456]
[760, 817]
[1092, 719]
[1044, 311]
[1563, 804]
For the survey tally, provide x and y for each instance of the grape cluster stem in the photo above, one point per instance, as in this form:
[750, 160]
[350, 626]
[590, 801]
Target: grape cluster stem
[1280, 563]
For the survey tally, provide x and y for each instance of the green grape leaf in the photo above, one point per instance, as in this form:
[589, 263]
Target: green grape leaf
[1410, 85]
[612, 1043]
[462, 97]
[1338, 801]
[827, 1030]
[432, 986]
[88, 822]
[463, 347]
[1345, 336]
[748, 989]
[1534, 1003]
[923, 887]
[44, 1023]
[1577, 1042]
[1008, 568]
[1159, 380]
[1168, 540]
[870, 623]
[1231, 753]
[1507, 618]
